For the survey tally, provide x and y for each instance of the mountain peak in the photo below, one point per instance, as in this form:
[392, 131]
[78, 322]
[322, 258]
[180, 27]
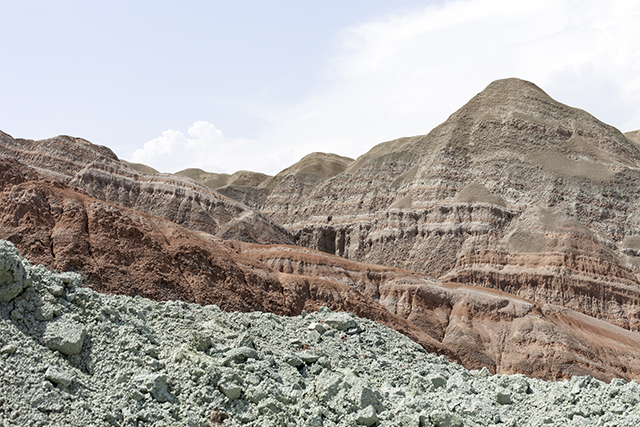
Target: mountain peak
[513, 85]
[504, 97]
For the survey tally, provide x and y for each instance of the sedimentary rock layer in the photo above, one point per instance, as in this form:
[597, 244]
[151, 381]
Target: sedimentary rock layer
[118, 250]
[515, 191]
[97, 171]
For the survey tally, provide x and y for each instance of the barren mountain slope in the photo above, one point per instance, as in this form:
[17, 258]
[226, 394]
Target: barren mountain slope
[289, 184]
[98, 171]
[634, 137]
[295, 182]
[217, 180]
[252, 188]
[118, 250]
[139, 167]
[482, 327]
[515, 191]
[123, 251]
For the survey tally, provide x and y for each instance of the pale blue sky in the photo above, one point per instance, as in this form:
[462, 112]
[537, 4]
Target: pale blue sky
[99, 69]
[258, 84]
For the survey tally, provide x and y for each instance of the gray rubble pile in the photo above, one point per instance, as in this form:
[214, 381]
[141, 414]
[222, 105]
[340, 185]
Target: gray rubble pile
[70, 356]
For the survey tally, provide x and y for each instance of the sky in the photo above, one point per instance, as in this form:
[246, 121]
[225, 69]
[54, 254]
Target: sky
[256, 85]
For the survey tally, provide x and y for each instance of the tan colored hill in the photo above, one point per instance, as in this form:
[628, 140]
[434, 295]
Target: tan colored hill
[217, 180]
[119, 250]
[315, 166]
[253, 189]
[243, 186]
[634, 137]
[139, 167]
[294, 183]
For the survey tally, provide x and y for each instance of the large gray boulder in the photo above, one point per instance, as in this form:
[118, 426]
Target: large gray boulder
[13, 276]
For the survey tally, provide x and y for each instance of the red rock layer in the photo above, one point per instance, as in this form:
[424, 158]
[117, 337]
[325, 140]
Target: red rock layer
[481, 327]
[119, 250]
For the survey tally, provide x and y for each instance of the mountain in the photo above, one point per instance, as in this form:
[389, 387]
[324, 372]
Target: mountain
[97, 171]
[634, 137]
[219, 180]
[252, 188]
[139, 167]
[515, 191]
[123, 251]
[506, 238]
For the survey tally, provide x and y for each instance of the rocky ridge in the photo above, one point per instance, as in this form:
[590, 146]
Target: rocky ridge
[218, 180]
[71, 356]
[118, 250]
[515, 191]
[252, 188]
[97, 171]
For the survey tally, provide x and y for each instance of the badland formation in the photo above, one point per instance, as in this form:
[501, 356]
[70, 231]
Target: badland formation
[508, 237]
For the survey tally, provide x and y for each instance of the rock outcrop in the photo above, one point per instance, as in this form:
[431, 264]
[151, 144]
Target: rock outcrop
[515, 192]
[97, 171]
[507, 238]
[119, 250]
[482, 327]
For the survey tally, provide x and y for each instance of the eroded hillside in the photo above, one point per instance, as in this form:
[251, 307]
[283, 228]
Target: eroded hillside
[506, 238]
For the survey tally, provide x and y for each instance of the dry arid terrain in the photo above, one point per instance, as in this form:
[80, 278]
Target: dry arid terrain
[508, 237]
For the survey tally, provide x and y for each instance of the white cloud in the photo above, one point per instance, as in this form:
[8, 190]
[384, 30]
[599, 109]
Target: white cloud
[207, 148]
[174, 151]
[405, 75]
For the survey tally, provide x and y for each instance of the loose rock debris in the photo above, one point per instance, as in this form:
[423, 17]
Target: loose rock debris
[71, 356]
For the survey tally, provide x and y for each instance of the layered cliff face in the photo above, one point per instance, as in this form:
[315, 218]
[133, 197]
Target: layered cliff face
[515, 191]
[97, 171]
[498, 239]
[119, 250]
[481, 327]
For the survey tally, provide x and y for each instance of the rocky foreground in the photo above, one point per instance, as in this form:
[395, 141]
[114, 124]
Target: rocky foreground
[71, 356]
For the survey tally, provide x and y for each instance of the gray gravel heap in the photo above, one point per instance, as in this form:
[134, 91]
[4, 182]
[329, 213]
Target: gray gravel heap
[70, 356]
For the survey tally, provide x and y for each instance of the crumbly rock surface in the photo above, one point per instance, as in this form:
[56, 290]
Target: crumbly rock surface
[122, 361]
